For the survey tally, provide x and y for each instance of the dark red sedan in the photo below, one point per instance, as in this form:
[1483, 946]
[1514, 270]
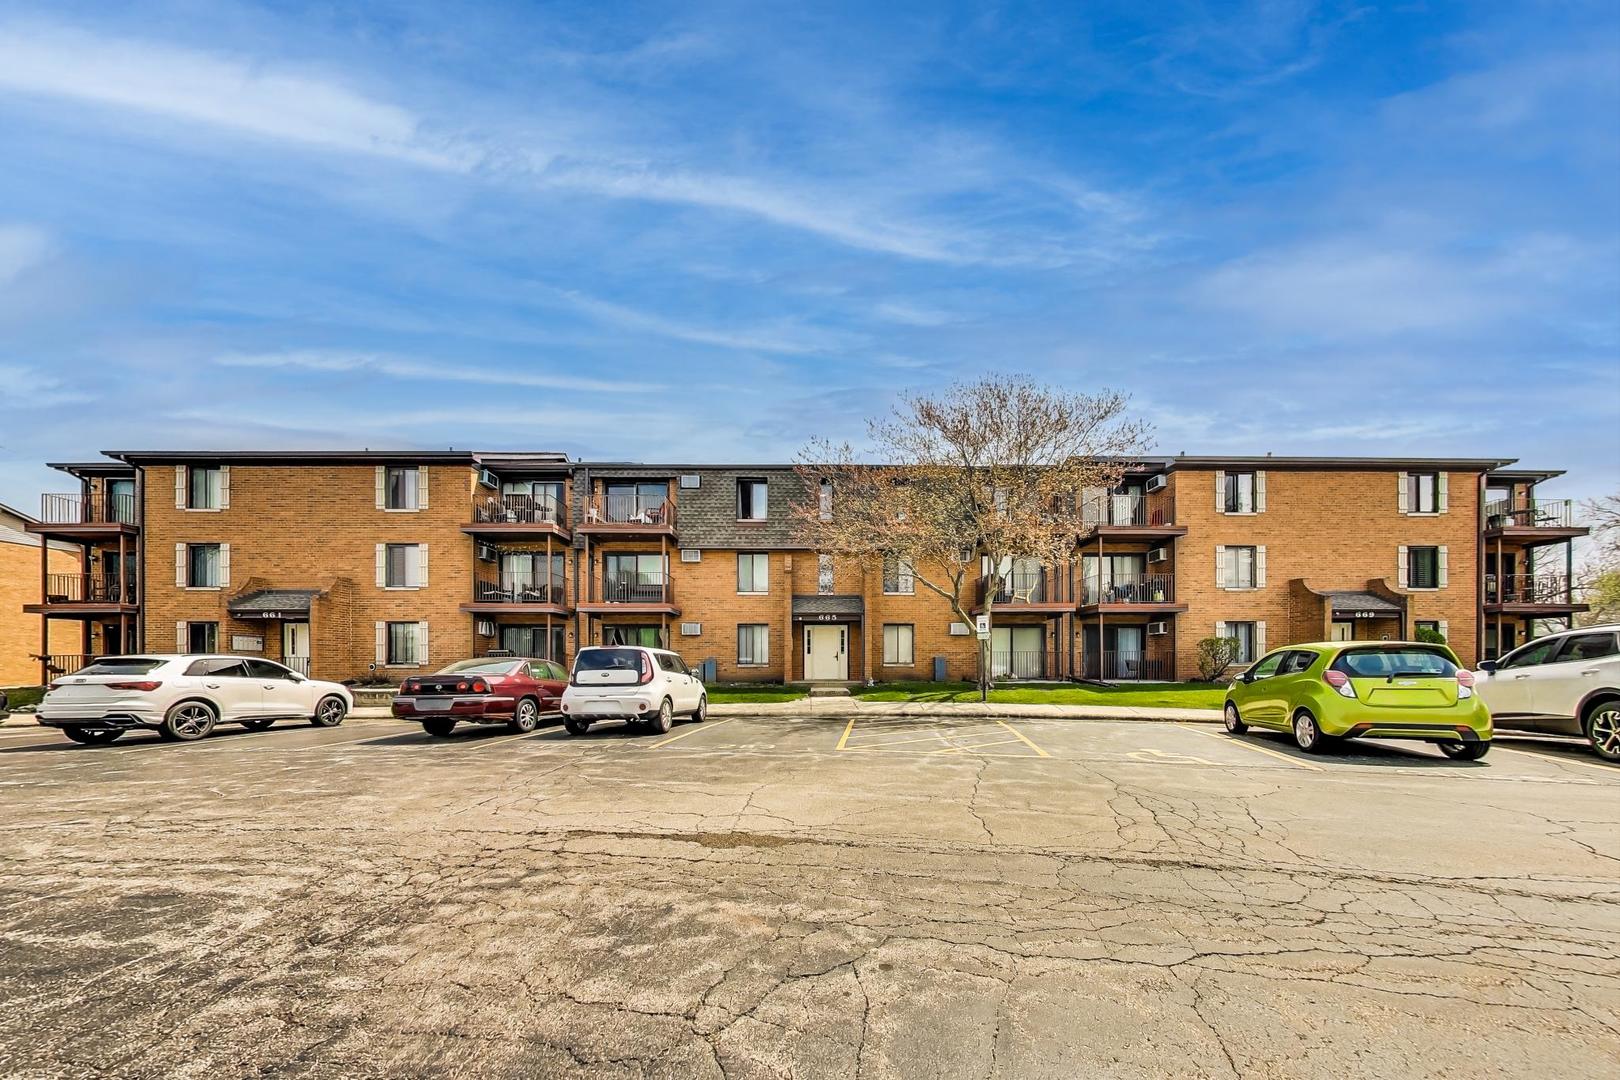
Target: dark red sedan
[506, 690]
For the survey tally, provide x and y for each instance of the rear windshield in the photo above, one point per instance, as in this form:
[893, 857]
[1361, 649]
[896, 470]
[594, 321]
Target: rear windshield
[1381, 663]
[121, 665]
[604, 659]
[501, 666]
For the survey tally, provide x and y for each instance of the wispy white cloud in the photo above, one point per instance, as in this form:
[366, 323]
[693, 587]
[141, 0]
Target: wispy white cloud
[398, 367]
[24, 385]
[21, 247]
[788, 337]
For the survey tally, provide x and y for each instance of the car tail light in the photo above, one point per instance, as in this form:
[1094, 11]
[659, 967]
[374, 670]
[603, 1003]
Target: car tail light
[646, 670]
[54, 686]
[462, 685]
[1465, 683]
[1340, 683]
[479, 686]
[411, 686]
[146, 686]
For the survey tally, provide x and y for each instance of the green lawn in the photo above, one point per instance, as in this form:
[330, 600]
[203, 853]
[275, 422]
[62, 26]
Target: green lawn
[1172, 695]
[25, 695]
[754, 693]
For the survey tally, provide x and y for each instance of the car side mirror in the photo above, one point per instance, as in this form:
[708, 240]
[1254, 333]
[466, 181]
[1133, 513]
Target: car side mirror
[1487, 666]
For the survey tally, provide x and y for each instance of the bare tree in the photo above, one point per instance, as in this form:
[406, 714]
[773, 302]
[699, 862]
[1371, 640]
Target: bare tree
[1598, 578]
[994, 469]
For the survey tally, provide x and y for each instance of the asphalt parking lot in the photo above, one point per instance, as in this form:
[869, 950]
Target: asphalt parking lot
[810, 898]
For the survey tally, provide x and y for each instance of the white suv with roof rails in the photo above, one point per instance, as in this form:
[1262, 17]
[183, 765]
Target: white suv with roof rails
[1566, 683]
[184, 697]
[642, 687]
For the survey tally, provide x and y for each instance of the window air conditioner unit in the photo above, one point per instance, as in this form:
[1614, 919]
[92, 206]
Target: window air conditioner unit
[691, 554]
[486, 552]
[1158, 629]
[1159, 554]
[691, 629]
[691, 480]
[488, 479]
[1155, 483]
[485, 627]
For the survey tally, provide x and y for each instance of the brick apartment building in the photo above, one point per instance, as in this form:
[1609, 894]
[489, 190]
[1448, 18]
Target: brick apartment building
[349, 564]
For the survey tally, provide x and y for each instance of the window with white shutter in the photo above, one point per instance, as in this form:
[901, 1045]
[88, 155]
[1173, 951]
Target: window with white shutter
[224, 487]
[1260, 567]
[179, 487]
[225, 566]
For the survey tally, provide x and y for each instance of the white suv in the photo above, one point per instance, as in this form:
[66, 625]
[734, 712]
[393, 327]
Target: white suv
[1566, 683]
[183, 697]
[625, 682]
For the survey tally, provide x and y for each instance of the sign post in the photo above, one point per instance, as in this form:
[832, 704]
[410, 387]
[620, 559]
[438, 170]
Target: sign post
[981, 625]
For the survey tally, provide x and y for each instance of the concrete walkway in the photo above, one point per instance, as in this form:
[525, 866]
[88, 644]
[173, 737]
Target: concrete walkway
[845, 707]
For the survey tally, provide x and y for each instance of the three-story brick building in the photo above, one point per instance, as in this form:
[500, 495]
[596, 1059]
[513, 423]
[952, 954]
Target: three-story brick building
[356, 564]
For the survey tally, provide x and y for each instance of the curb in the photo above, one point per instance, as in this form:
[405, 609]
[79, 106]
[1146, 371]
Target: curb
[841, 711]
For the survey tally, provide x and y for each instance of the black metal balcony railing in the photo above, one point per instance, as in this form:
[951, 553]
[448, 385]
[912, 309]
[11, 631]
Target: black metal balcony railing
[1527, 589]
[1115, 666]
[520, 510]
[87, 589]
[1021, 665]
[636, 589]
[1132, 589]
[80, 509]
[59, 664]
[299, 664]
[630, 510]
[1530, 513]
[1019, 587]
[519, 590]
[1146, 511]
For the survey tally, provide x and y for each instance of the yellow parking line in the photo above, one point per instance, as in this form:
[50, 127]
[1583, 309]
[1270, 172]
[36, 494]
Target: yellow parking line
[880, 740]
[1021, 738]
[1610, 769]
[1256, 748]
[844, 738]
[690, 731]
[972, 749]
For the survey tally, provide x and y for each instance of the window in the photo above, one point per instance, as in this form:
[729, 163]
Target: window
[205, 487]
[202, 566]
[1243, 634]
[753, 572]
[1268, 667]
[1389, 661]
[1423, 493]
[1587, 647]
[897, 644]
[202, 637]
[402, 566]
[1533, 654]
[752, 499]
[525, 581]
[532, 641]
[648, 637]
[219, 667]
[824, 575]
[633, 578]
[401, 488]
[671, 662]
[898, 579]
[1296, 662]
[826, 500]
[1239, 567]
[753, 644]
[265, 669]
[611, 659]
[1423, 568]
[120, 665]
[405, 643]
[636, 501]
[1240, 493]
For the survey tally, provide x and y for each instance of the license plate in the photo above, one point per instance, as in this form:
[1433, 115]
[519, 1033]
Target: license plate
[433, 704]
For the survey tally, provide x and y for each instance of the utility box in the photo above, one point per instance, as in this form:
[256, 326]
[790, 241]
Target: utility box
[706, 670]
[939, 669]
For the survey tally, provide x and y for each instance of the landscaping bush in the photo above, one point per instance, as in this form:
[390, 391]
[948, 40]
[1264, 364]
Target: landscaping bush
[1215, 655]
[1430, 636]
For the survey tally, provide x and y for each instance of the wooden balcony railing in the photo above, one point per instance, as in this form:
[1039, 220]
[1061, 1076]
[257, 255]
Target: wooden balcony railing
[520, 510]
[79, 509]
[630, 510]
[1527, 589]
[520, 589]
[636, 589]
[1130, 589]
[1141, 511]
[87, 589]
[1530, 514]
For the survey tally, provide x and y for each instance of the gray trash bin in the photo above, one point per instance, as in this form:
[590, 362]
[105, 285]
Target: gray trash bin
[706, 670]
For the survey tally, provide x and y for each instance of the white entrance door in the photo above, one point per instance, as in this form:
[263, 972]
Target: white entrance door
[826, 653]
[295, 646]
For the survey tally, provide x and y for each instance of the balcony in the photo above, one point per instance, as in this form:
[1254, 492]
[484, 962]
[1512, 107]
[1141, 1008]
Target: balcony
[1144, 516]
[518, 593]
[1532, 521]
[60, 664]
[1115, 666]
[86, 517]
[644, 592]
[1022, 666]
[85, 593]
[1134, 592]
[1530, 594]
[1026, 590]
[518, 515]
[629, 514]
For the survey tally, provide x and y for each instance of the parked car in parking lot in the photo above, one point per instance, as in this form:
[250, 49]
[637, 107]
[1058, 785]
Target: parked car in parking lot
[509, 690]
[185, 697]
[1561, 684]
[639, 686]
[1332, 690]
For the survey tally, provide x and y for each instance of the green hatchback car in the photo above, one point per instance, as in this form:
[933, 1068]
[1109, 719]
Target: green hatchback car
[1332, 690]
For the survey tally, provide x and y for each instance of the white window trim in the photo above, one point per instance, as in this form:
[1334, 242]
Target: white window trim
[766, 591]
[886, 662]
[766, 662]
[1221, 581]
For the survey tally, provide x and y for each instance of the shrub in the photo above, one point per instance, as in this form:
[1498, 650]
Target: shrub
[1430, 636]
[1215, 655]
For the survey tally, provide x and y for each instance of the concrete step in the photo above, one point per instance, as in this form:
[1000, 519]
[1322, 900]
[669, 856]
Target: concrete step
[829, 691]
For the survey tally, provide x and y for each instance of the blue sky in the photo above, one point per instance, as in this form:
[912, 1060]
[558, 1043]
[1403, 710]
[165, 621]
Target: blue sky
[704, 231]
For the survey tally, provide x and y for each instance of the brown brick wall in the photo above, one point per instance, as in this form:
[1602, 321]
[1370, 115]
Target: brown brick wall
[19, 632]
[706, 593]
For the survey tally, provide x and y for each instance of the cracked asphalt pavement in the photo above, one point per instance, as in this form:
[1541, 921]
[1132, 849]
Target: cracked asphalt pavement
[805, 898]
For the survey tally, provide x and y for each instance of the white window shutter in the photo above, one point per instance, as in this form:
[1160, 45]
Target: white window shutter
[224, 566]
[1220, 630]
[1445, 630]
[382, 643]
[1442, 566]
[1260, 567]
[224, 487]
[421, 487]
[1220, 492]
[1220, 566]
[1259, 492]
[421, 566]
[422, 643]
[1442, 497]
[382, 565]
[180, 566]
[179, 487]
[1400, 566]
[1403, 500]
[180, 637]
[1260, 638]
[382, 487]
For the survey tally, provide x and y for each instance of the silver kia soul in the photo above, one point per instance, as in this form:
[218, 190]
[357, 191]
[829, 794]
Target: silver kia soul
[641, 686]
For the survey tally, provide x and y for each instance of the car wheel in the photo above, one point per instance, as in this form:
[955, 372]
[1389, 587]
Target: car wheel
[1603, 728]
[527, 716]
[438, 726]
[92, 736]
[701, 713]
[257, 725]
[666, 717]
[188, 721]
[1464, 751]
[1307, 734]
[330, 712]
[1234, 722]
[576, 727]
